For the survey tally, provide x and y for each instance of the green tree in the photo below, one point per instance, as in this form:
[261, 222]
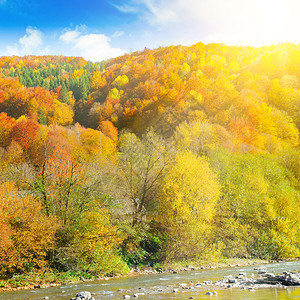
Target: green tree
[257, 214]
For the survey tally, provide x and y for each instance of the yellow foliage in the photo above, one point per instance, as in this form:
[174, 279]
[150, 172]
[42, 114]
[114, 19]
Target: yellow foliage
[96, 241]
[26, 235]
[121, 80]
[78, 73]
[184, 69]
[113, 93]
[284, 237]
[62, 114]
[187, 204]
[97, 81]
[95, 142]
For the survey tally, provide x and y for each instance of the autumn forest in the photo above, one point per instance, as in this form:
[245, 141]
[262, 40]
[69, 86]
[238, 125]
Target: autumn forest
[171, 154]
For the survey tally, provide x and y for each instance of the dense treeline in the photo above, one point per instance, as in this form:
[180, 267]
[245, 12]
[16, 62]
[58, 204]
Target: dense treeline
[167, 154]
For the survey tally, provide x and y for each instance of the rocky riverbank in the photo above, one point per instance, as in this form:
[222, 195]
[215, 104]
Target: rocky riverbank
[33, 281]
[255, 278]
[258, 279]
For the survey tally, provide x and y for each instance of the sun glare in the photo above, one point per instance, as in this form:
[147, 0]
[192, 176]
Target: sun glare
[272, 22]
[275, 22]
[256, 22]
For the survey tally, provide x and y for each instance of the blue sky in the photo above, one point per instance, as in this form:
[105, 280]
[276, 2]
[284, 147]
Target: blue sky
[102, 29]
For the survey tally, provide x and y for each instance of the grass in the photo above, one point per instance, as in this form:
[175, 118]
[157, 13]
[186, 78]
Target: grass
[43, 277]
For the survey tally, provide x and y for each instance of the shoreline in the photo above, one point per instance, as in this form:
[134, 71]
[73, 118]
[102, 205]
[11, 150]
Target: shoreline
[34, 281]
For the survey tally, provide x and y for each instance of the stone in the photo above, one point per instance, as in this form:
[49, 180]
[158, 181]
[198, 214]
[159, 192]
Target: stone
[209, 293]
[126, 297]
[37, 286]
[84, 295]
[175, 291]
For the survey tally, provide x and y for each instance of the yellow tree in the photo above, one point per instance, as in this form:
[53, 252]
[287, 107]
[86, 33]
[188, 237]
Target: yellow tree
[96, 241]
[62, 114]
[95, 142]
[121, 80]
[97, 81]
[187, 204]
[26, 234]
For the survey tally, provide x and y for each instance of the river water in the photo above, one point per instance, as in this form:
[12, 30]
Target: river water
[161, 286]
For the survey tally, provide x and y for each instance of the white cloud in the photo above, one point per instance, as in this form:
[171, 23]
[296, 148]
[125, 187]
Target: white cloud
[30, 44]
[161, 12]
[126, 8]
[118, 34]
[155, 12]
[94, 47]
[253, 22]
[69, 36]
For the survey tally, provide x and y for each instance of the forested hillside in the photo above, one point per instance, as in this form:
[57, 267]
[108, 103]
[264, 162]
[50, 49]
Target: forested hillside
[167, 154]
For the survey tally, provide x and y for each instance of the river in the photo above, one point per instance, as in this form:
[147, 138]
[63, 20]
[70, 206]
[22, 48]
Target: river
[161, 286]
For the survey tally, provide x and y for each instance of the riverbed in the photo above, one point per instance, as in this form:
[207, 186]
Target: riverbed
[179, 285]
